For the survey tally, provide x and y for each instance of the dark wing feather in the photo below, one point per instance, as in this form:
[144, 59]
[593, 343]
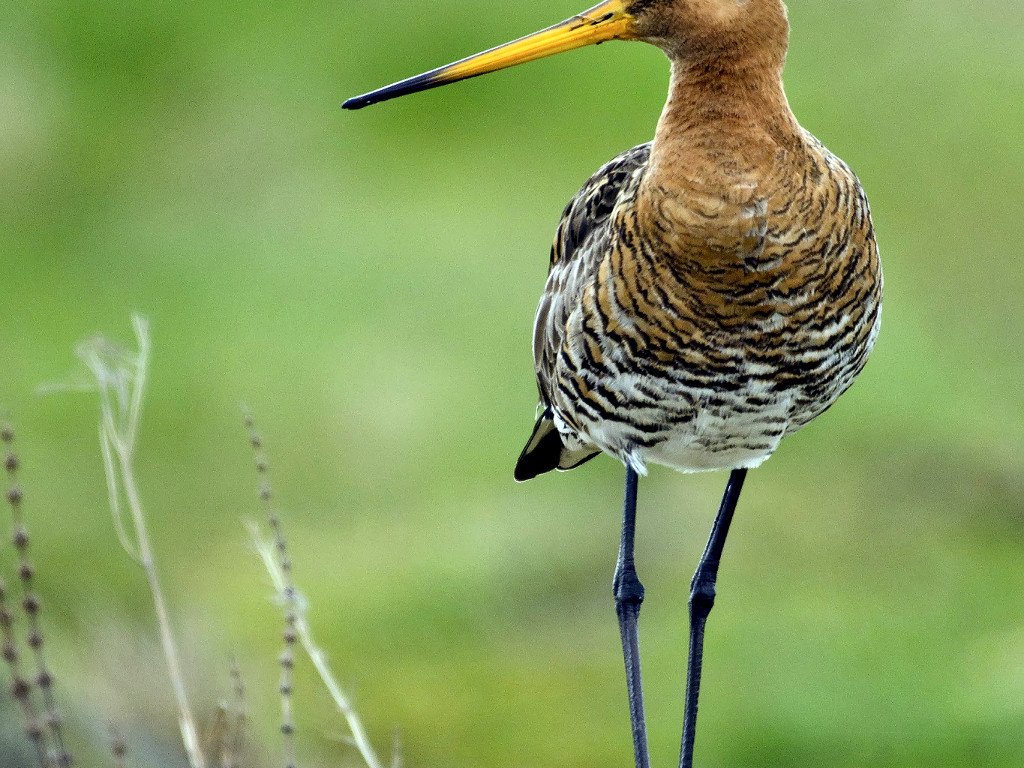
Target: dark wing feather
[580, 243]
[589, 210]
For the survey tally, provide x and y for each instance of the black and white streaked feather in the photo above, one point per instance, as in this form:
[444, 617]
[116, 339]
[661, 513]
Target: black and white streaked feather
[647, 351]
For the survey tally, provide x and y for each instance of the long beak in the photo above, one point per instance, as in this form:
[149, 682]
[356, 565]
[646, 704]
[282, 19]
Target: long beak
[606, 21]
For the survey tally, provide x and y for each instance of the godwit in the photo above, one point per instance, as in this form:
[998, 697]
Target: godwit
[709, 293]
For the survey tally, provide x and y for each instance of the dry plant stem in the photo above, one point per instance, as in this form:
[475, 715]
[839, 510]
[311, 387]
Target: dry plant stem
[118, 748]
[361, 741]
[396, 751]
[217, 732]
[21, 689]
[234, 741]
[278, 564]
[187, 722]
[226, 737]
[121, 379]
[31, 606]
[288, 595]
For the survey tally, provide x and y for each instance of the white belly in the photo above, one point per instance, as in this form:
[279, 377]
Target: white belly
[726, 435]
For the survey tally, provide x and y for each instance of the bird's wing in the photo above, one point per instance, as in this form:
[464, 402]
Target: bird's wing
[590, 208]
[580, 242]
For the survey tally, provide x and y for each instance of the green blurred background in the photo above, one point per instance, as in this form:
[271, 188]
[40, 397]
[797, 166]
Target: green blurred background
[366, 283]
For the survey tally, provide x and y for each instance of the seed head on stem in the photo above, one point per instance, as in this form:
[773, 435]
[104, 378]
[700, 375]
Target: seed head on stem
[298, 634]
[45, 725]
[288, 594]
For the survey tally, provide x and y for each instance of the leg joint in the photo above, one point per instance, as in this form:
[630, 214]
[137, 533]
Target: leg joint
[627, 587]
[702, 597]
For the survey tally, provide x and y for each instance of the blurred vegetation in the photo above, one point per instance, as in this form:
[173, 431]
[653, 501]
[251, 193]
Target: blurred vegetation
[367, 282]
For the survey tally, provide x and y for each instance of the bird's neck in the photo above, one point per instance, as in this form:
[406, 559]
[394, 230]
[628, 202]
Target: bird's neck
[726, 139]
[723, 120]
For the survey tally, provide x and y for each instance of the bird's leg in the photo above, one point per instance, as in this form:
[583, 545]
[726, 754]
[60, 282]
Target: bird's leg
[702, 599]
[629, 594]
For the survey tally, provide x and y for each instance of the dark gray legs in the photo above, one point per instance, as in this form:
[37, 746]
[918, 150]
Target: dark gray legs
[629, 594]
[702, 599]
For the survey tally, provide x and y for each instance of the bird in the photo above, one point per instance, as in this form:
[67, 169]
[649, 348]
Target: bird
[709, 292]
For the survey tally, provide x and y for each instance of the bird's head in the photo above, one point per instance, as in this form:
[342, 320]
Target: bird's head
[687, 29]
[684, 29]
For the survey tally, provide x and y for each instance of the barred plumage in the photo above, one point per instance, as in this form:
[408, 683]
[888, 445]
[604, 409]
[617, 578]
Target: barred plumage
[696, 329]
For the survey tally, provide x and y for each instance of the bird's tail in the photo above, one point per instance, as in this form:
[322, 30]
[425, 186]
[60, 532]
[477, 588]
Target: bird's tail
[545, 450]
